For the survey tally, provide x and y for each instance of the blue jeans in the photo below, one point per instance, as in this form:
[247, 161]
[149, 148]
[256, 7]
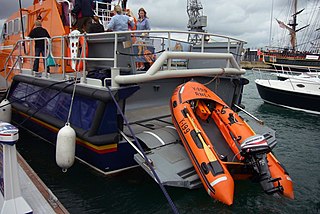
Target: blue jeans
[36, 61]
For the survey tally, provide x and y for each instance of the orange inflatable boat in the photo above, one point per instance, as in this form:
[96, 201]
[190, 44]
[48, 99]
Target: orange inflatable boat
[222, 146]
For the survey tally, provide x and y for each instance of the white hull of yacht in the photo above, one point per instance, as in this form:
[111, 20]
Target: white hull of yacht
[294, 94]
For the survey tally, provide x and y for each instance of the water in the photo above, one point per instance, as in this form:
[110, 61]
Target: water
[83, 190]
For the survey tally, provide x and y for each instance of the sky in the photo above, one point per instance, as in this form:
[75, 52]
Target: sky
[248, 20]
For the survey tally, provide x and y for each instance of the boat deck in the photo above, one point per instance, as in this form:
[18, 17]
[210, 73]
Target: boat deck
[163, 148]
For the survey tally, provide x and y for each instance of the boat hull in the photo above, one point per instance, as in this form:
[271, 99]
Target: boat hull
[102, 158]
[213, 174]
[297, 62]
[93, 117]
[287, 97]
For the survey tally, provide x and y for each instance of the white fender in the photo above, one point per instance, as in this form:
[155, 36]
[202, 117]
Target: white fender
[65, 147]
[5, 111]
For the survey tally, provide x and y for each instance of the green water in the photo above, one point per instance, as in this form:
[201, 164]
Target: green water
[83, 190]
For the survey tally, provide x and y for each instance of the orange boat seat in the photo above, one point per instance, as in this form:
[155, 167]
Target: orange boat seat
[202, 110]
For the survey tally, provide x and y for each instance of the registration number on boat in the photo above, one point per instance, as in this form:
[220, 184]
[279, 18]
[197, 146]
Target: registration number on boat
[184, 126]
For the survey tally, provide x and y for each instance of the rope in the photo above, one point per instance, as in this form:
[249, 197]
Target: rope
[72, 98]
[173, 207]
[215, 77]
[76, 77]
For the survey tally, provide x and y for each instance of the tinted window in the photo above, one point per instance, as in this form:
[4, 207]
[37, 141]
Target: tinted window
[16, 26]
[24, 18]
[57, 104]
[10, 28]
[4, 31]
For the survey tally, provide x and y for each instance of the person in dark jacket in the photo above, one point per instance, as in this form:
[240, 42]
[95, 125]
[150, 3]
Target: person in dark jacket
[95, 26]
[83, 11]
[39, 32]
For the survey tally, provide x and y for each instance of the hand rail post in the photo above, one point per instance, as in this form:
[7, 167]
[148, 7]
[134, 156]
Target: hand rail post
[84, 58]
[169, 61]
[115, 62]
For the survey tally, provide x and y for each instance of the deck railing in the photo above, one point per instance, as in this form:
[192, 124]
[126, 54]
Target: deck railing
[167, 54]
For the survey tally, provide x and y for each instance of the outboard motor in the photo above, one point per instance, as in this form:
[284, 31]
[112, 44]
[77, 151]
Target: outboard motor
[256, 144]
[255, 150]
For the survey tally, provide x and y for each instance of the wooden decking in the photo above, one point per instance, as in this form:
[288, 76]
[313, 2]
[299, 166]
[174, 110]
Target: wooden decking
[35, 192]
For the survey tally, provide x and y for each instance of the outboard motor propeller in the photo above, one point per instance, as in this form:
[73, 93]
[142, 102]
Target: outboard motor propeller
[255, 150]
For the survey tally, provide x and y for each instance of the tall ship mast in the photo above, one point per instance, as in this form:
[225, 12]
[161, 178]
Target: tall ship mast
[292, 25]
[303, 53]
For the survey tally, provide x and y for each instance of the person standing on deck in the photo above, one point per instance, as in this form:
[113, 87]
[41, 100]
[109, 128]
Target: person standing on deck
[143, 21]
[84, 13]
[120, 22]
[142, 24]
[95, 26]
[39, 32]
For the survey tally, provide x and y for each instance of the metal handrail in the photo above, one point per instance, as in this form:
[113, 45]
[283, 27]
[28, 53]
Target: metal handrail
[9, 57]
[19, 44]
[156, 70]
[168, 32]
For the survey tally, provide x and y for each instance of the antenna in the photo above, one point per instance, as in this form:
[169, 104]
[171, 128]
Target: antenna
[197, 21]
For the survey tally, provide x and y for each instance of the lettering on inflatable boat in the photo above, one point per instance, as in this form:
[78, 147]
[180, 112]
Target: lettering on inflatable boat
[201, 92]
[184, 126]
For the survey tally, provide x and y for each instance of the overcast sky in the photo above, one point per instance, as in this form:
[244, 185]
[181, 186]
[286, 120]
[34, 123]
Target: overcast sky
[248, 20]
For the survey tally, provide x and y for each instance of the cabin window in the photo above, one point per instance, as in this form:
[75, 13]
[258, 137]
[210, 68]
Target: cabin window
[16, 26]
[24, 20]
[10, 28]
[56, 104]
[300, 85]
[4, 32]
